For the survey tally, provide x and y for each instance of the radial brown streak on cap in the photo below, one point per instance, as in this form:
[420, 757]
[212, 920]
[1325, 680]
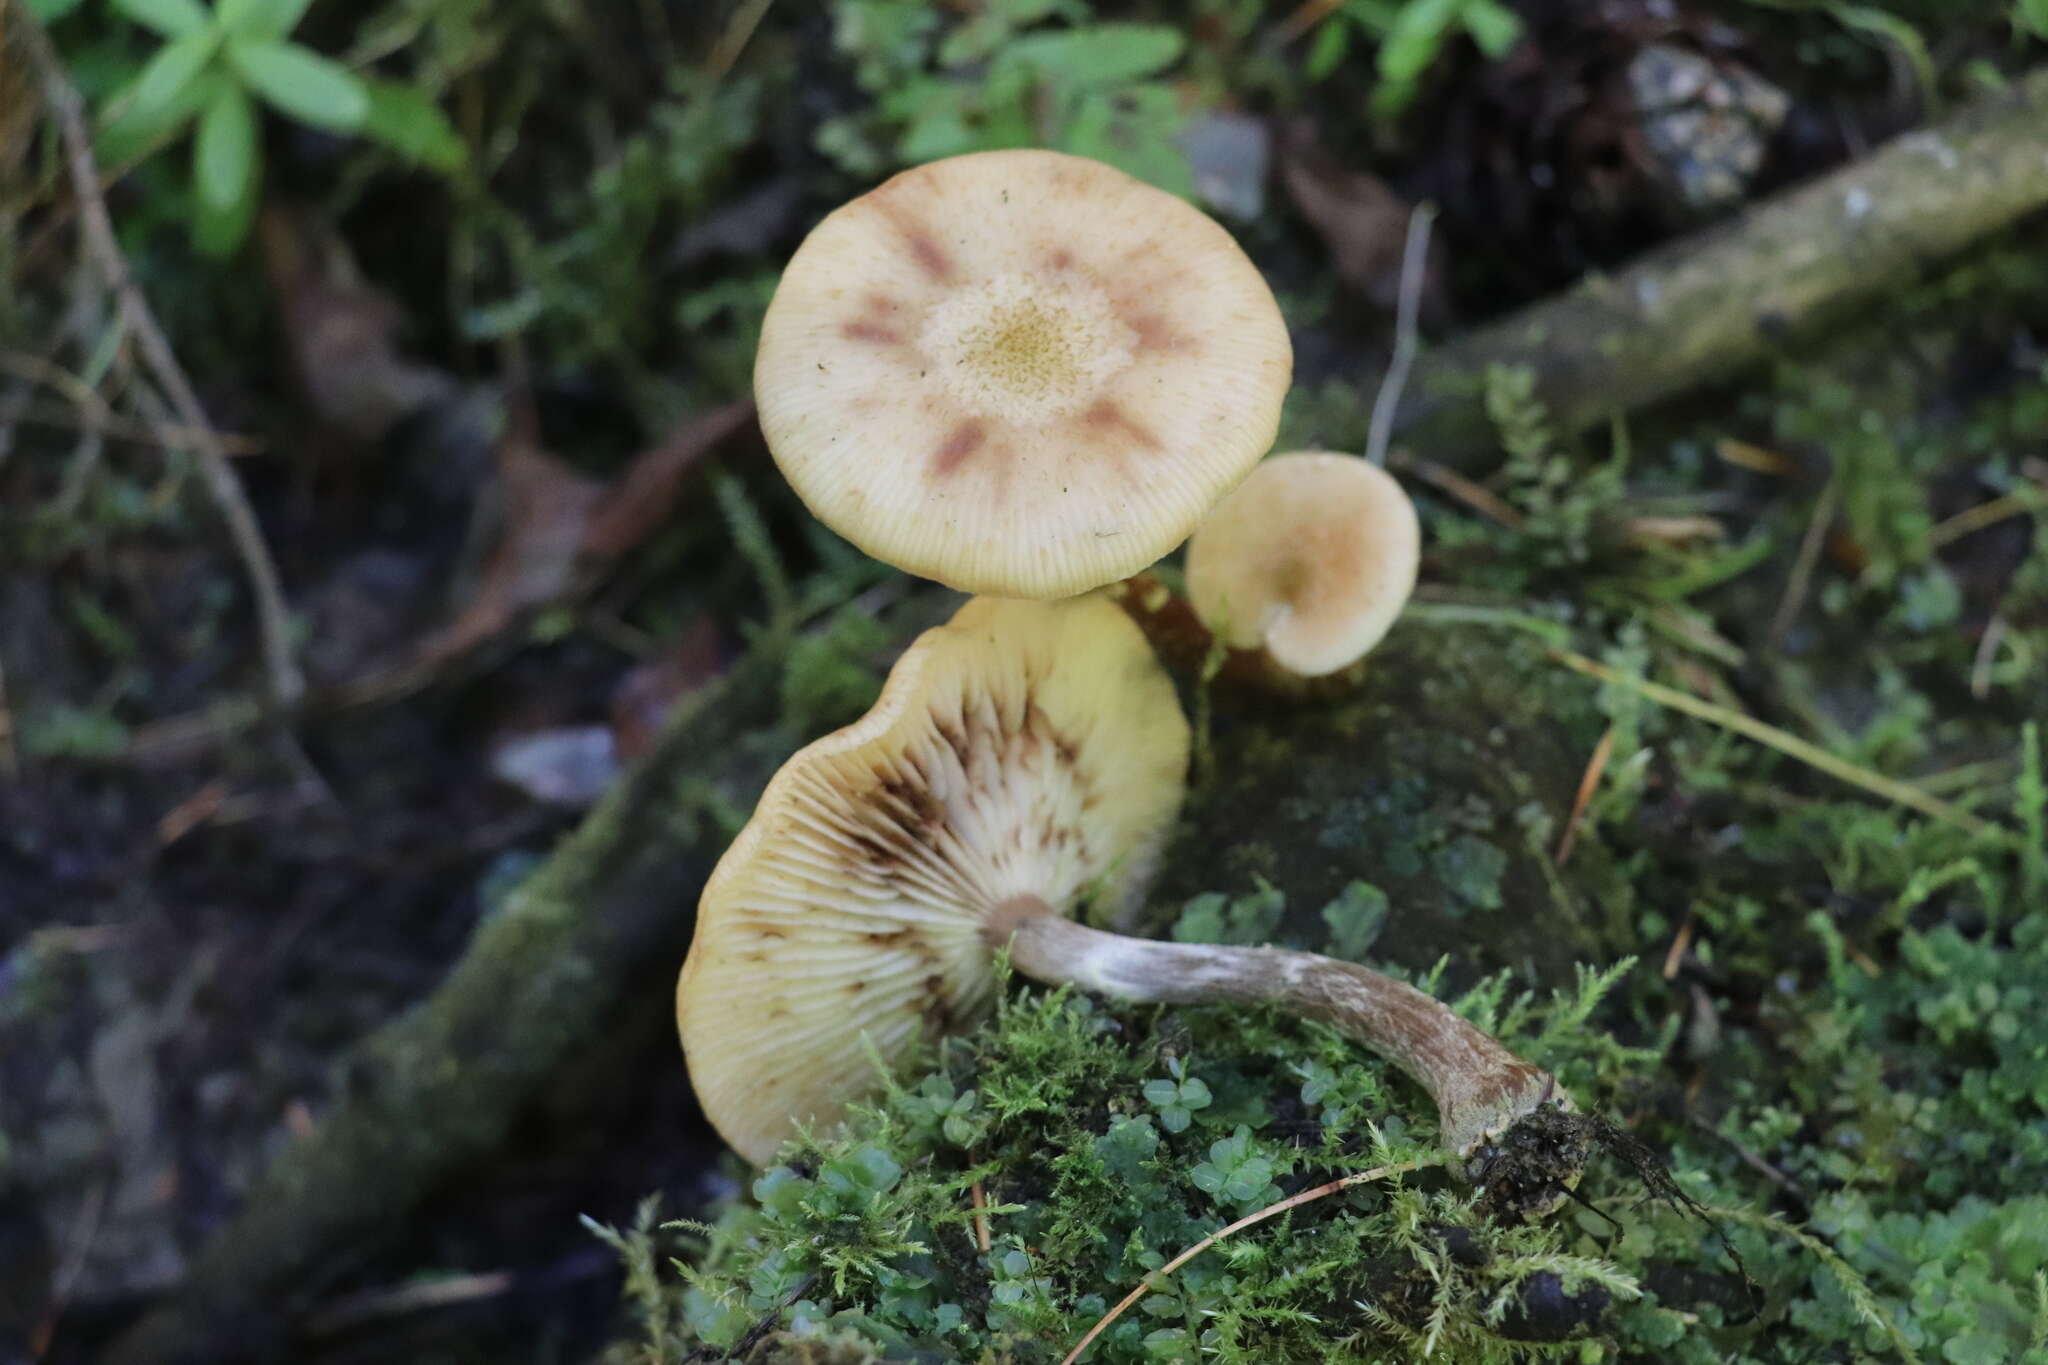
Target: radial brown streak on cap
[1108, 415]
[931, 257]
[871, 331]
[1154, 334]
[924, 248]
[961, 442]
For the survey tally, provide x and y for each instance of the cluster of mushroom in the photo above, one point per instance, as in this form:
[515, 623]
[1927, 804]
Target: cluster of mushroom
[1030, 376]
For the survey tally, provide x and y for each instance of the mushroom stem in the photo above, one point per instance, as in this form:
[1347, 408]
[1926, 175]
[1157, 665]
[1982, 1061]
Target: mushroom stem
[1481, 1089]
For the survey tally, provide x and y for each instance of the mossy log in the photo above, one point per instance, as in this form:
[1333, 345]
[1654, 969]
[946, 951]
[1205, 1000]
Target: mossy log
[440, 1086]
[1704, 307]
[1443, 780]
[1440, 781]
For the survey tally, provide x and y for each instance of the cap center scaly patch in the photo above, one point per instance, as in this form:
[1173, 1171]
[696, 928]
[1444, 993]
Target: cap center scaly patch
[1024, 350]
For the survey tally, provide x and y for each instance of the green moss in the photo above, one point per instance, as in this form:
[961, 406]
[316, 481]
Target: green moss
[1838, 1056]
[1908, 1109]
[1107, 1140]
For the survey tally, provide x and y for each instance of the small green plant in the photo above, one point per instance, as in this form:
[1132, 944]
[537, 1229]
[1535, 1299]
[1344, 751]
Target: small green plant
[1176, 1096]
[214, 67]
[1003, 79]
[1411, 35]
[1246, 920]
[1236, 1173]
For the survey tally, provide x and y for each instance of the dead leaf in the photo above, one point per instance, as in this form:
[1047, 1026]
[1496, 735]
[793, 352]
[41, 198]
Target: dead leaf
[543, 512]
[647, 696]
[341, 331]
[641, 498]
[1364, 224]
[553, 532]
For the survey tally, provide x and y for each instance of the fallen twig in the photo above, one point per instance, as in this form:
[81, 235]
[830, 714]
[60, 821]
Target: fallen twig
[1704, 307]
[286, 682]
[980, 1201]
[2027, 499]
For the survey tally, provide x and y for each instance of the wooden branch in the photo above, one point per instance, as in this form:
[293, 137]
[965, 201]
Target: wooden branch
[1703, 308]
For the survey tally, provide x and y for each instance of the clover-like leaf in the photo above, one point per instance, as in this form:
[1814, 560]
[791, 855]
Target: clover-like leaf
[226, 169]
[402, 118]
[266, 19]
[299, 82]
[130, 133]
[168, 18]
[170, 74]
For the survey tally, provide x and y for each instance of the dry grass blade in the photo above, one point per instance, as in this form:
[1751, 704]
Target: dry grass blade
[1877, 784]
[981, 1237]
[442, 1291]
[1589, 783]
[1474, 495]
[1810, 546]
[273, 621]
[2024, 500]
[1292, 1201]
[1414, 270]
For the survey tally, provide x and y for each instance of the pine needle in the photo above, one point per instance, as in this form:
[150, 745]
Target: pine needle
[1306, 1196]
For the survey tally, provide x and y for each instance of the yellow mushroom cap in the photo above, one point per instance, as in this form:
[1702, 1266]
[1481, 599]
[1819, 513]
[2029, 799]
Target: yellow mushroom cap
[1022, 749]
[1311, 557]
[1019, 373]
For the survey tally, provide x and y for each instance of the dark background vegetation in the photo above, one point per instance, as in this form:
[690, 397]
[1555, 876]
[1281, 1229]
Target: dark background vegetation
[476, 361]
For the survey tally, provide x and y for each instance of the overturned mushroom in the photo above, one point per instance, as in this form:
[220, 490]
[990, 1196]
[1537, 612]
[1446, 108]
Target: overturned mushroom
[1022, 749]
[1310, 559]
[1022, 758]
[1019, 373]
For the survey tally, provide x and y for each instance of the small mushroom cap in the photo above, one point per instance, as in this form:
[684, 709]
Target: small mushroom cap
[1019, 373]
[1022, 750]
[1311, 557]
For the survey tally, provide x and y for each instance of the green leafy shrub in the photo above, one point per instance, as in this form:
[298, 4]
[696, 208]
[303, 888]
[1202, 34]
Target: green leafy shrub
[215, 67]
[1008, 77]
[1411, 36]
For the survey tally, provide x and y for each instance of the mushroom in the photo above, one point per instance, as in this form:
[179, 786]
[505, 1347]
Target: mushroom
[1022, 749]
[1024, 758]
[1310, 558]
[1019, 373]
